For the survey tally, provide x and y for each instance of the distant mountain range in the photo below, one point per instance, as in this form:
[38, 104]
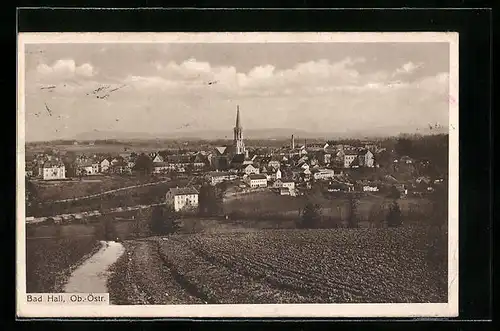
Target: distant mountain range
[275, 133]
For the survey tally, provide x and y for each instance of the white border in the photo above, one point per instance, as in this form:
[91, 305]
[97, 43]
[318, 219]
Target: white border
[449, 309]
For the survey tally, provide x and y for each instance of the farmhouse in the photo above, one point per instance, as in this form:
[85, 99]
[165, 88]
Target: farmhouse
[53, 170]
[182, 198]
[257, 180]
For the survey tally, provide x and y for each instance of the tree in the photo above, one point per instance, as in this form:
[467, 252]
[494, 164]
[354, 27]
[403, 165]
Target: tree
[208, 201]
[404, 146]
[107, 230]
[394, 217]
[311, 216]
[394, 193]
[139, 227]
[352, 217]
[164, 220]
[143, 164]
[31, 196]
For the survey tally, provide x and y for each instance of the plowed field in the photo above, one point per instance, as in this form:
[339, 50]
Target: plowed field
[281, 266]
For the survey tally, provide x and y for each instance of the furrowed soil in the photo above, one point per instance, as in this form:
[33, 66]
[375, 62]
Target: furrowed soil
[282, 266]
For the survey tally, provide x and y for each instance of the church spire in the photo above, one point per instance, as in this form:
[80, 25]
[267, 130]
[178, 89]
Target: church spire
[238, 125]
[238, 134]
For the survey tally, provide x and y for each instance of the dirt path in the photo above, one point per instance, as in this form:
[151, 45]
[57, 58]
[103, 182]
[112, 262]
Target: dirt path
[92, 275]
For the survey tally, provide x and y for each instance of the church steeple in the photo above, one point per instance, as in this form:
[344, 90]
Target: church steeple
[238, 125]
[238, 143]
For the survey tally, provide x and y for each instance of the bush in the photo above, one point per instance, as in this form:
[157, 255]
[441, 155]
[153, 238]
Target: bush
[352, 218]
[310, 216]
[394, 217]
[164, 220]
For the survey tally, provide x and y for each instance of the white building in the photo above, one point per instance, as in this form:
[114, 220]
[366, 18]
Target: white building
[322, 174]
[276, 174]
[290, 184]
[250, 169]
[104, 165]
[217, 177]
[370, 188]
[257, 181]
[182, 198]
[53, 170]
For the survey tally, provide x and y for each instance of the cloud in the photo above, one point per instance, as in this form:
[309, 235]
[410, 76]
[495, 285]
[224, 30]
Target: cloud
[260, 80]
[64, 69]
[408, 68]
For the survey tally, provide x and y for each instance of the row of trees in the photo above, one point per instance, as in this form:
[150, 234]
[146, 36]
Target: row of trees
[311, 215]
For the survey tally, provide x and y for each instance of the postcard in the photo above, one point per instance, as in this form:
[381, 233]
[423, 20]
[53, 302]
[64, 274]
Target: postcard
[237, 175]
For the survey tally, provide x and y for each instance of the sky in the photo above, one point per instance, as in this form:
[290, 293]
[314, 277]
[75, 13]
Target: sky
[171, 87]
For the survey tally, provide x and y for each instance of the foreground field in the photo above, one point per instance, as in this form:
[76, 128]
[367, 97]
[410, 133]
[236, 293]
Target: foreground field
[49, 261]
[282, 266]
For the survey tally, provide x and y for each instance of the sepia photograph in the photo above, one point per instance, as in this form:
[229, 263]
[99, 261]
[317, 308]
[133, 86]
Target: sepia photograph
[237, 174]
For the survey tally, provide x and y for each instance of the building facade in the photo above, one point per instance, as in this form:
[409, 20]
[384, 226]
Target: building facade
[255, 181]
[182, 198]
[53, 170]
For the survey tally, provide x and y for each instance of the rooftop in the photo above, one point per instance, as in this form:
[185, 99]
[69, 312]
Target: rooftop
[257, 176]
[183, 191]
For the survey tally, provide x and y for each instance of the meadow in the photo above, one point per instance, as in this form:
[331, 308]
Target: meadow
[370, 208]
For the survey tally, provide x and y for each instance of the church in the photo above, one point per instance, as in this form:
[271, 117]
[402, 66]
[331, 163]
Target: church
[232, 156]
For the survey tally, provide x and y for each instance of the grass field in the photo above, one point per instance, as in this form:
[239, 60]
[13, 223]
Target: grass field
[136, 196]
[273, 205]
[48, 261]
[50, 191]
[282, 266]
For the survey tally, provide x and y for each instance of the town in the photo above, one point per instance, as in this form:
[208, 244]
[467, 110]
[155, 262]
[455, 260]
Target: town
[293, 169]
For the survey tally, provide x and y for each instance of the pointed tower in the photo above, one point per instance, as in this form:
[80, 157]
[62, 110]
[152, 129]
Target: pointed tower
[239, 145]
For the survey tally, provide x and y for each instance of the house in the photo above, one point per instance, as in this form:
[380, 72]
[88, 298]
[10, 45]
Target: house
[257, 180]
[366, 159]
[53, 170]
[160, 167]
[104, 165]
[86, 168]
[406, 159]
[348, 158]
[274, 164]
[276, 174]
[157, 158]
[216, 177]
[322, 174]
[304, 166]
[370, 188]
[290, 184]
[285, 191]
[182, 198]
[249, 169]
[95, 167]
[119, 167]
[277, 184]
[306, 174]
[327, 158]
